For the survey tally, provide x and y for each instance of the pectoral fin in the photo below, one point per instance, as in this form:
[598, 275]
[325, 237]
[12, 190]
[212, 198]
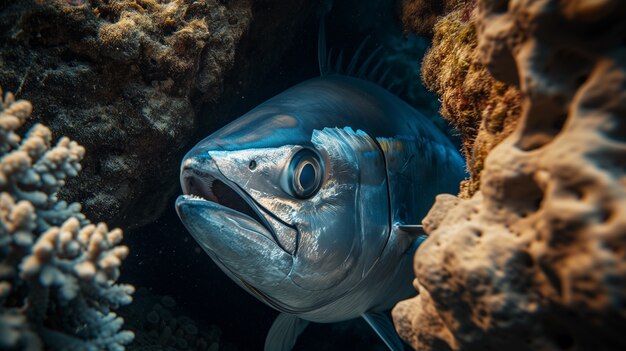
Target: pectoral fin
[410, 229]
[284, 332]
[383, 326]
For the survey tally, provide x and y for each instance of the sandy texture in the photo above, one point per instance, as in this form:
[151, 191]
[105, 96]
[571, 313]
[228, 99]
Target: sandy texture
[536, 259]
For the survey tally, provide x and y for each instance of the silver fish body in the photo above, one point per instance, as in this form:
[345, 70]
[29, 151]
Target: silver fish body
[327, 169]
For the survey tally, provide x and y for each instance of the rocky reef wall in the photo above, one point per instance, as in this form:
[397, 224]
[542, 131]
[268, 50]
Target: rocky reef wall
[482, 109]
[128, 79]
[535, 259]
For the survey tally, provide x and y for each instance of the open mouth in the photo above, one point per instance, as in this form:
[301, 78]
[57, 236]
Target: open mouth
[205, 187]
[231, 228]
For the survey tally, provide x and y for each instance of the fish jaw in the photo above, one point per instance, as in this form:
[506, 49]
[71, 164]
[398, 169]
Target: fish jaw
[233, 233]
[241, 244]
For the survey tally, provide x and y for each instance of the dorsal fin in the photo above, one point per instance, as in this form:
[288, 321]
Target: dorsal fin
[339, 64]
[355, 67]
[368, 61]
[351, 70]
[323, 60]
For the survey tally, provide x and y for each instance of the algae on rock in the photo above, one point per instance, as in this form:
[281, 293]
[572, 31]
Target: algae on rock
[420, 16]
[535, 259]
[125, 79]
[483, 110]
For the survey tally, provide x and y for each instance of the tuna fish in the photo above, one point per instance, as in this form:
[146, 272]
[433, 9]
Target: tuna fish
[312, 201]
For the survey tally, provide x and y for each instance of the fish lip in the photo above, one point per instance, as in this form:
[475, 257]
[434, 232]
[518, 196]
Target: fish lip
[190, 170]
[196, 201]
[227, 222]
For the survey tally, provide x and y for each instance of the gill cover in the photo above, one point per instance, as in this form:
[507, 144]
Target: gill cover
[343, 204]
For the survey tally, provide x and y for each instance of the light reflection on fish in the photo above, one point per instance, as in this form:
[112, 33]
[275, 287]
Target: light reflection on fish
[311, 200]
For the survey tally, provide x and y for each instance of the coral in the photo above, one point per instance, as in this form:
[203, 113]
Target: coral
[536, 260]
[57, 271]
[482, 109]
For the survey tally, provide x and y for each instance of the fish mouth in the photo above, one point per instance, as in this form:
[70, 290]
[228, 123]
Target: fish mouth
[206, 187]
[229, 227]
[202, 186]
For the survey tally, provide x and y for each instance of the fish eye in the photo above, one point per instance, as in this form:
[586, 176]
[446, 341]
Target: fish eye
[305, 173]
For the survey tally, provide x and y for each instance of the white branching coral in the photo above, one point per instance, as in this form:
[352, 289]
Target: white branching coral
[58, 272]
[32, 169]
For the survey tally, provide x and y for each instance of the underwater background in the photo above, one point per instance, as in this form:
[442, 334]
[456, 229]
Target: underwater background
[166, 265]
[530, 254]
[165, 260]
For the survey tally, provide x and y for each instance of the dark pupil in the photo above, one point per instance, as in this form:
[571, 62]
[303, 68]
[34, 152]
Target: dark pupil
[307, 176]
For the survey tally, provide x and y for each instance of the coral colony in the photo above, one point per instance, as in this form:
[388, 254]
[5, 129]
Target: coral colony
[57, 270]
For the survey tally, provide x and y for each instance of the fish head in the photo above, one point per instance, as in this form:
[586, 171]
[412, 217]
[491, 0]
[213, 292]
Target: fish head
[299, 214]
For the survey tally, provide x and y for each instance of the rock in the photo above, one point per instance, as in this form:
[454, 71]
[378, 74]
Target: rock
[535, 259]
[127, 79]
[420, 16]
[482, 109]
[119, 77]
[160, 327]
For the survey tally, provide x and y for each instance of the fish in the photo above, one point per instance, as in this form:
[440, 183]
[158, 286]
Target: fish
[312, 201]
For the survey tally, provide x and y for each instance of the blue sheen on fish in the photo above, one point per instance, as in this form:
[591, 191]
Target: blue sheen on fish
[312, 201]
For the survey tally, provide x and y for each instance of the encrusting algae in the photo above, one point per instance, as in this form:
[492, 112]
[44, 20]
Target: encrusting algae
[482, 109]
[420, 16]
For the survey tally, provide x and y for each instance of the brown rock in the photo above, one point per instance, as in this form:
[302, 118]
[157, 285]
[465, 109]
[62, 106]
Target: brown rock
[536, 260]
[482, 109]
[119, 77]
[127, 80]
[420, 16]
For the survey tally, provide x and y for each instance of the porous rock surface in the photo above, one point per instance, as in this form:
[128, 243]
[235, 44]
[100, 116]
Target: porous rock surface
[127, 80]
[536, 260]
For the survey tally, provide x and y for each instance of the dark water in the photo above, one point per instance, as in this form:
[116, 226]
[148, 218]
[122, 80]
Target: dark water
[165, 259]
